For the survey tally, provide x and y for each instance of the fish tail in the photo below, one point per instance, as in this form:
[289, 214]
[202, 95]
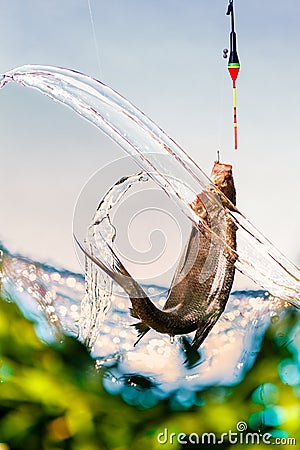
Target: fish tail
[143, 308]
[118, 272]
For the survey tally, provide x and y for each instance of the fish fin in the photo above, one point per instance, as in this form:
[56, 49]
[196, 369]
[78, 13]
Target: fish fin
[192, 354]
[202, 332]
[133, 313]
[142, 329]
[118, 272]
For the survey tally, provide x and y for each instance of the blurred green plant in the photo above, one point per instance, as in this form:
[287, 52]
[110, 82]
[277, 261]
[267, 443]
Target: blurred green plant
[52, 398]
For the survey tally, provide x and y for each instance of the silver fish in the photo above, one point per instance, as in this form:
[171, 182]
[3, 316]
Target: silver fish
[203, 280]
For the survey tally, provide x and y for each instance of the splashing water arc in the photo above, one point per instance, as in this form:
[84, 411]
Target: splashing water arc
[181, 178]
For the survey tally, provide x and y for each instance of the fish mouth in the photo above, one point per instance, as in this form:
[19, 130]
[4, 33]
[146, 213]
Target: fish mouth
[222, 178]
[221, 170]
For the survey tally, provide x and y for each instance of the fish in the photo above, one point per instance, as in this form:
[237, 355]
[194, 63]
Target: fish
[204, 276]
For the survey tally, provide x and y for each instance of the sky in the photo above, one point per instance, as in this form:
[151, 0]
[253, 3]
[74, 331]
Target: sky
[166, 58]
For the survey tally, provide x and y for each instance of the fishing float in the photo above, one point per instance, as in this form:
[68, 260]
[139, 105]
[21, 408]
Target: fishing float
[233, 68]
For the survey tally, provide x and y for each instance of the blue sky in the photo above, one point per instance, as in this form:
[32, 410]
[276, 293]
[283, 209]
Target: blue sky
[166, 57]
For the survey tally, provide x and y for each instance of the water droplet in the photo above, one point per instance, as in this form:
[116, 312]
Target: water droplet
[274, 318]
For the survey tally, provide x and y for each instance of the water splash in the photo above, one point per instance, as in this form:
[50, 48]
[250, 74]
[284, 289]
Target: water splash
[48, 296]
[99, 286]
[236, 338]
[165, 162]
[53, 299]
[58, 294]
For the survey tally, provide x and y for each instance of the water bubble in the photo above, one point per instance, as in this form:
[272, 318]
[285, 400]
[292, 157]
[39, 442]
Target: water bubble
[274, 318]
[289, 372]
[266, 394]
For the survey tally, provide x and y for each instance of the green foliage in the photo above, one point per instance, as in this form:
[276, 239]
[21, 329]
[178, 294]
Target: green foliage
[52, 398]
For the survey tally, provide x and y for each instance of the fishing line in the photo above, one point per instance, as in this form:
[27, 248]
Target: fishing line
[97, 51]
[222, 114]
